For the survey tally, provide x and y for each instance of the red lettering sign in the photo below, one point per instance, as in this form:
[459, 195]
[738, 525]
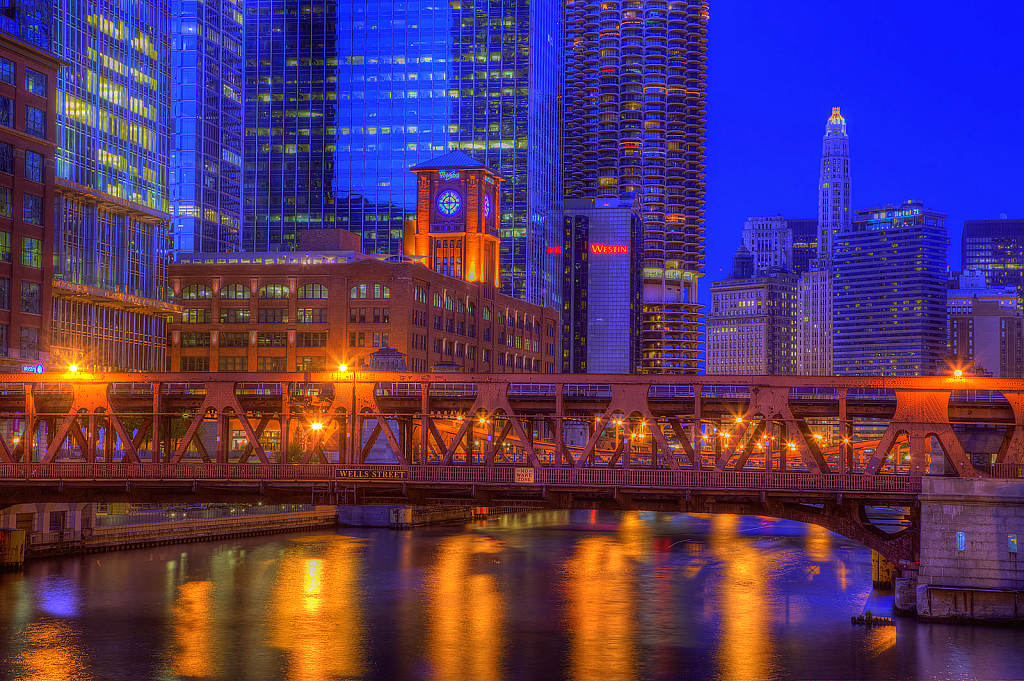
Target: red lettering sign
[607, 249]
[554, 250]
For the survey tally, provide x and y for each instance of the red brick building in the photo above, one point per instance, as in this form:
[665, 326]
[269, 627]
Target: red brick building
[315, 310]
[28, 95]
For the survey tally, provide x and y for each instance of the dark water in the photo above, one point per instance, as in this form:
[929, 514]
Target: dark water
[559, 595]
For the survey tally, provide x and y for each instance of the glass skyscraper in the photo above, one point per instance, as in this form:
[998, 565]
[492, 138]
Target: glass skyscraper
[206, 125]
[112, 244]
[995, 247]
[342, 98]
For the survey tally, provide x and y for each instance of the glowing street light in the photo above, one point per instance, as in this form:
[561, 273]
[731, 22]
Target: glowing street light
[73, 368]
[316, 425]
[342, 368]
[958, 373]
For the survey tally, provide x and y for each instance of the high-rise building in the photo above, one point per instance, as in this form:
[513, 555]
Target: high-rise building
[805, 243]
[751, 322]
[635, 123]
[770, 242]
[815, 355]
[995, 247]
[342, 98]
[112, 241]
[602, 294]
[890, 292]
[986, 327]
[28, 80]
[206, 125]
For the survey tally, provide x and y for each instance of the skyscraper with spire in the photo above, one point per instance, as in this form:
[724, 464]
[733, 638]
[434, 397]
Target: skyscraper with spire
[815, 290]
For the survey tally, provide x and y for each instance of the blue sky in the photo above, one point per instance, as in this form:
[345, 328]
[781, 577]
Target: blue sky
[932, 93]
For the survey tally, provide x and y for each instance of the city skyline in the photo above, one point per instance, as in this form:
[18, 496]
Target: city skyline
[787, 90]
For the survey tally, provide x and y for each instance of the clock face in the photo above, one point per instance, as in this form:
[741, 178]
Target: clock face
[487, 206]
[449, 202]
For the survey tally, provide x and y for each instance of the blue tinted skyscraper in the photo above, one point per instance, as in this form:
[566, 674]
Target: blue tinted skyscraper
[342, 98]
[112, 242]
[206, 125]
[889, 309]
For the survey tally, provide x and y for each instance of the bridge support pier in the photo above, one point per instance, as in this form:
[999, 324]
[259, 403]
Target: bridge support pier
[969, 568]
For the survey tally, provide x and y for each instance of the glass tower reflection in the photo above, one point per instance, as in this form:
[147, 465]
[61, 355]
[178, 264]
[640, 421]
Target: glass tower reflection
[343, 98]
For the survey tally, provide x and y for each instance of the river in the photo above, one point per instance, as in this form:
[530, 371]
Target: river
[574, 595]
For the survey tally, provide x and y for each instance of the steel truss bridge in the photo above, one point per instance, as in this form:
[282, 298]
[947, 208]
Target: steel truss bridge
[844, 453]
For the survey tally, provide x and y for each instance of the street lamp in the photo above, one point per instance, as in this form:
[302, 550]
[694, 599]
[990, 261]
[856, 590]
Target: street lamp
[73, 368]
[958, 373]
[316, 425]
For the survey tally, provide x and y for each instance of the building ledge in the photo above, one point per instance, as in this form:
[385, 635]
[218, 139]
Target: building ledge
[114, 204]
[124, 301]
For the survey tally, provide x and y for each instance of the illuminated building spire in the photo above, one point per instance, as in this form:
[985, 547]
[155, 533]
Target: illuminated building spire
[833, 186]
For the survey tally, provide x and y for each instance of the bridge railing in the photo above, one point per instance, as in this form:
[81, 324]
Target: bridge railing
[582, 477]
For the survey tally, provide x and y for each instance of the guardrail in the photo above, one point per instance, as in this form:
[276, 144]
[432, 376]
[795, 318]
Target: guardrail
[589, 477]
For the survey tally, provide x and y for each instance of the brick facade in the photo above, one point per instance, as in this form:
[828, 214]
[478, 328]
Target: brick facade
[28, 82]
[314, 311]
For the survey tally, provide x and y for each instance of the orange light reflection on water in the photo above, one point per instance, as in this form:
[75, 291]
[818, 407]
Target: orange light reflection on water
[193, 622]
[465, 612]
[745, 650]
[316, 610]
[52, 653]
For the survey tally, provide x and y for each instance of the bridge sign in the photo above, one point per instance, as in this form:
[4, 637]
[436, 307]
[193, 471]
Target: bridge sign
[371, 474]
[524, 475]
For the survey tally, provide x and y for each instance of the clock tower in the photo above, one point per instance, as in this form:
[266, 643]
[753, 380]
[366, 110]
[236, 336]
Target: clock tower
[456, 228]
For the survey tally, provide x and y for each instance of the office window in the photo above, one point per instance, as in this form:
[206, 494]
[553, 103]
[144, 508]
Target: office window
[35, 122]
[271, 363]
[233, 339]
[233, 363]
[7, 112]
[273, 339]
[30, 297]
[3, 340]
[234, 315]
[35, 82]
[33, 166]
[195, 364]
[272, 315]
[195, 315]
[31, 252]
[5, 246]
[313, 292]
[29, 343]
[6, 71]
[274, 291]
[5, 202]
[314, 315]
[310, 363]
[195, 340]
[5, 293]
[316, 339]
[196, 292]
[32, 210]
[234, 292]
[6, 158]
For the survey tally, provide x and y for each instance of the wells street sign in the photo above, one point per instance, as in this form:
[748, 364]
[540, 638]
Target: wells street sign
[371, 474]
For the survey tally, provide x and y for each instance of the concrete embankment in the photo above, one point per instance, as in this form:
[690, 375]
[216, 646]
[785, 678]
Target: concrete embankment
[401, 515]
[177, 532]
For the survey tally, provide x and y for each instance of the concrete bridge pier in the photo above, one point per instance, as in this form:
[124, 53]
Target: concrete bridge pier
[969, 567]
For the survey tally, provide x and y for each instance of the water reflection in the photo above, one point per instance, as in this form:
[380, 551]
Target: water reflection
[465, 611]
[745, 651]
[316, 613]
[52, 653]
[193, 623]
[601, 594]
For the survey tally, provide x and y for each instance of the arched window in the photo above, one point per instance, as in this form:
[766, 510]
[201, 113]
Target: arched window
[274, 291]
[313, 292]
[437, 300]
[449, 304]
[461, 306]
[235, 292]
[472, 310]
[196, 292]
[501, 317]
[487, 314]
